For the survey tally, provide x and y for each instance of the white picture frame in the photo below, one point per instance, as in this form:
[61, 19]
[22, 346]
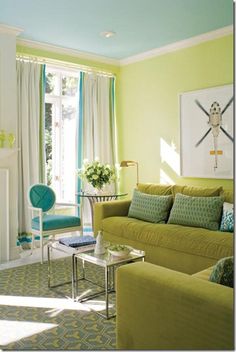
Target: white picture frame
[206, 133]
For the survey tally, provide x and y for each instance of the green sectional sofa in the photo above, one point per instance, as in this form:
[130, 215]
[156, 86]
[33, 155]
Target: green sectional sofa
[181, 248]
[167, 302]
[163, 309]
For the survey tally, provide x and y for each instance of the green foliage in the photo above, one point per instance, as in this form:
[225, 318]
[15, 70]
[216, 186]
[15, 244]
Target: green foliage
[97, 174]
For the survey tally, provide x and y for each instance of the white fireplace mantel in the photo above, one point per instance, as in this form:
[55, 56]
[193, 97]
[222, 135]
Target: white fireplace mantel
[7, 152]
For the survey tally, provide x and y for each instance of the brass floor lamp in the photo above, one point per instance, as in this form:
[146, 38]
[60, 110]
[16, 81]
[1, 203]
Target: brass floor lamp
[128, 163]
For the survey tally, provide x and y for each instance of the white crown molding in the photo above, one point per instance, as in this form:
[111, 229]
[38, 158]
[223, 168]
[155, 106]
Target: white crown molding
[129, 60]
[67, 51]
[10, 30]
[178, 45]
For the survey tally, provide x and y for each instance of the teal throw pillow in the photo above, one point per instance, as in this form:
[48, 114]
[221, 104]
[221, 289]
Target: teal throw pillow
[148, 207]
[196, 211]
[227, 221]
[223, 272]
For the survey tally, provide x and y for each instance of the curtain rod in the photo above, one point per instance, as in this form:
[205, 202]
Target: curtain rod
[65, 64]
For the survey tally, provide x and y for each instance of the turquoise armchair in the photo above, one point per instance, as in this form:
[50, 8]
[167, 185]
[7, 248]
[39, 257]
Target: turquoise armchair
[42, 199]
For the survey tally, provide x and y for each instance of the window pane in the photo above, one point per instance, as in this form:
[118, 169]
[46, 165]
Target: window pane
[68, 128]
[52, 83]
[69, 85]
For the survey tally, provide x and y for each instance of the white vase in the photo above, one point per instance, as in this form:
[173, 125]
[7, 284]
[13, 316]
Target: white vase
[99, 247]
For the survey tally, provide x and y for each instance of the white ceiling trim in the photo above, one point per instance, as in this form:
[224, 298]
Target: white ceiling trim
[178, 45]
[10, 30]
[67, 51]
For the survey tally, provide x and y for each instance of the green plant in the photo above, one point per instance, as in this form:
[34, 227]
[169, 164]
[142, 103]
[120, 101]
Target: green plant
[97, 174]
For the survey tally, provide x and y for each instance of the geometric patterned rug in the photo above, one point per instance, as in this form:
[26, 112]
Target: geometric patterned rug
[34, 317]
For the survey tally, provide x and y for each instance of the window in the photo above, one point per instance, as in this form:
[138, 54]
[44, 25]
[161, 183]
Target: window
[61, 110]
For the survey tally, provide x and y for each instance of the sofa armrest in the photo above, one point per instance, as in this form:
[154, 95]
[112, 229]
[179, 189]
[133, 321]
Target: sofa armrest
[162, 309]
[104, 210]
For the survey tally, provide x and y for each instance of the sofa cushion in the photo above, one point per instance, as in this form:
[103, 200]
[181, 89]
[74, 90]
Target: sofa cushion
[227, 221]
[149, 207]
[192, 240]
[197, 191]
[223, 272]
[204, 274]
[196, 211]
[152, 188]
[228, 195]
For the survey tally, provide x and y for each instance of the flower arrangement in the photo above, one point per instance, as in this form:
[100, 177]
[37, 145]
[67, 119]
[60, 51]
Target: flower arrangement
[97, 174]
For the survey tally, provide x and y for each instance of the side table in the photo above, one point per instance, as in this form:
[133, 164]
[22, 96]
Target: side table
[95, 198]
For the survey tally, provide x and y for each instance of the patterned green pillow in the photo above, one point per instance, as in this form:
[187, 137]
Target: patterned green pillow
[196, 211]
[148, 207]
[227, 221]
[223, 272]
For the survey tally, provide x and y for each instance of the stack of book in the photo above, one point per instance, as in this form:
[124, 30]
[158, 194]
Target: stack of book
[75, 244]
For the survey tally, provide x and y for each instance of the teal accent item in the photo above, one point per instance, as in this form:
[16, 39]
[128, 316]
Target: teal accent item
[223, 272]
[227, 222]
[151, 208]
[53, 222]
[196, 211]
[42, 196]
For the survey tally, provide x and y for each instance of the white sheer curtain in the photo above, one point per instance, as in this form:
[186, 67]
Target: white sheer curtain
[28, 90]
[98, 137]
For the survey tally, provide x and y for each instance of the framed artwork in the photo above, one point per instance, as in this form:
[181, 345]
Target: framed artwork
[206, 127]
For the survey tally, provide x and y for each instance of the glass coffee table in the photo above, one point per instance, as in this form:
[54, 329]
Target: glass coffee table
[108, 262]
[86, 255]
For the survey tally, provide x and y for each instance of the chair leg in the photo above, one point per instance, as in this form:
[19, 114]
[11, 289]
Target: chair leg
[32, 243]
[41, 247]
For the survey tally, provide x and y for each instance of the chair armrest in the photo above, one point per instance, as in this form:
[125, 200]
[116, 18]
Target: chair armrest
[40, 215]
[162, 309]
[104, 210]
[68, 204]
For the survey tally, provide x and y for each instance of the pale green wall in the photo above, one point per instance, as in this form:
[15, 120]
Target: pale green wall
[24, 50]
[148, 105]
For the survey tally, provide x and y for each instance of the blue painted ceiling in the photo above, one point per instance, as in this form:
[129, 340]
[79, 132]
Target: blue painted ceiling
[140, 25]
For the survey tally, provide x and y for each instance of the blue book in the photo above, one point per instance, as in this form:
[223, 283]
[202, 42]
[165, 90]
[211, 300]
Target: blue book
[77, 241]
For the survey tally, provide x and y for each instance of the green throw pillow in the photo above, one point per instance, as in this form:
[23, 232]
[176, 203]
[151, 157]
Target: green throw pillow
[223, 272]
[196, 211]
[149, 207]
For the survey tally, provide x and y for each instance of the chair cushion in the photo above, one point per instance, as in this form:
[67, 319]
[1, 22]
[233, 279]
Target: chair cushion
[149, 207]
[53, 222]
[196, 211]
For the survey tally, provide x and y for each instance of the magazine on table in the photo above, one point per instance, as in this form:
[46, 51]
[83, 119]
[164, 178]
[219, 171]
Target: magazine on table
[75, 244]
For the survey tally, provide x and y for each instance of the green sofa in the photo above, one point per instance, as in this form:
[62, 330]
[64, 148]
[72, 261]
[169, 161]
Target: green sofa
[181, 248]
[163, 309]
[167, 302]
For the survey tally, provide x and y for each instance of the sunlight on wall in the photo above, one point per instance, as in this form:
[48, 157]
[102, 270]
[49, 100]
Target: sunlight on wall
[170, 156]
[12, 331]
[165, 179]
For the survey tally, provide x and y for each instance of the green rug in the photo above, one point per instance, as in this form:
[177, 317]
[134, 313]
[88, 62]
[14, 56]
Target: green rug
[34, 317]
